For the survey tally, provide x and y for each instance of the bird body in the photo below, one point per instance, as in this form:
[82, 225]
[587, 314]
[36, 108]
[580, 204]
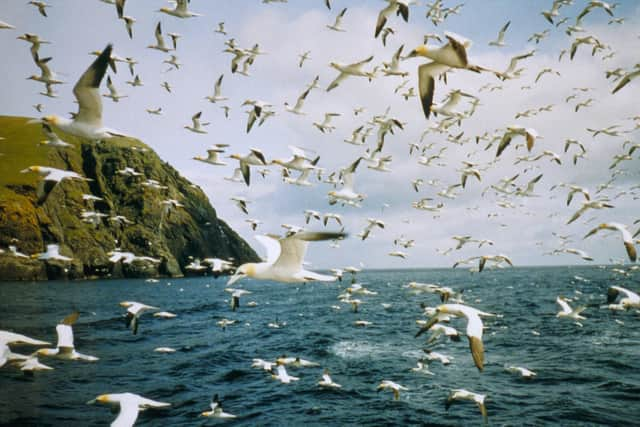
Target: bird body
[285, 258]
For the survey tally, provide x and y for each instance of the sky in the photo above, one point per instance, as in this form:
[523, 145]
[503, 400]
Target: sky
[524, 232]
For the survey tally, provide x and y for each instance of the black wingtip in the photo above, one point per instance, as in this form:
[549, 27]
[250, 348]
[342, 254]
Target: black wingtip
[100, 65]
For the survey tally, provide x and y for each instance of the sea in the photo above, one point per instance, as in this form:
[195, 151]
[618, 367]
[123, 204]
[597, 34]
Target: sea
[586, 375]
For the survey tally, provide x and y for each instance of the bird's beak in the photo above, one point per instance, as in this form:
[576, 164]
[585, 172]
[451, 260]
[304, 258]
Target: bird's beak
[235, 278]
[102, 398]
[27, 170]
[34, 121]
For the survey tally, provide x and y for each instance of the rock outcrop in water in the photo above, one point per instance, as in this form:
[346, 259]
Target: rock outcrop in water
[172, 234]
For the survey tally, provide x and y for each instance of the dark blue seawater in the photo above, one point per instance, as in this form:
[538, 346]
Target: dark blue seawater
[586, 376]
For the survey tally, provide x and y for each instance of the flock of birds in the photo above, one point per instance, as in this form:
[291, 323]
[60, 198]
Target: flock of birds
[285, 254]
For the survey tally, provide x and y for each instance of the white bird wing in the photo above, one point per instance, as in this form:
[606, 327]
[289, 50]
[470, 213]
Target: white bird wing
[65, 337]
[128, 414]
[341, 77]
[217, 86]
[272, 246]
[87, 93]
[426, 83]
[474, 324]
[144, 403]
[564, 305]
[291, 256]
[301, 99]
[159, 38]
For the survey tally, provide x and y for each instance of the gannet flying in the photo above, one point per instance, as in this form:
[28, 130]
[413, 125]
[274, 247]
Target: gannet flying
[499, 42]
[130, 405]
[627, 239]
[327, 382]
[569, 312]
[216, 410]
[390, 385]
[180, 11]
[347, 193]
[283, 376]
[347, 70]
[134, 311]
[197, 126]
[160, 44]
[400, 7]
[65, 348]
[87, 123]
[285, 258]
[255, 157]
[630, 299]
[474, 327]
[217, 92]
[213, 155]
[337, 25]
[451, 55]
[461, 394]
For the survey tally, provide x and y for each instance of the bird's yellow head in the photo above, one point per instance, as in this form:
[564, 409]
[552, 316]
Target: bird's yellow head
[35, 169]
[418, 51]
[52, 120]
[245, 270]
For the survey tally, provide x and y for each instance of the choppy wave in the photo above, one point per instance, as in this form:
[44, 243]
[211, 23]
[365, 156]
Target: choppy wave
[586, 375]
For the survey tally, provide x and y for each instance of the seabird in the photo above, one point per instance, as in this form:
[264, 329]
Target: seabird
[197, 126]
[87, 123]
[530, 135]
[285, 259]
[52, 253]
[347, 70]
[327, 382]
[216, 410]
[297, 109]
[400, 7]
[180, 11]
[569, 312]
[499, 42]
[35, 41]
[53, 140]
[474, 327]
[41, 7]
[213, 155]
[46, 76]
[629, 300]
[134, 311]
[451, 55]
[625, 234]
[631, 75]
[160, 44]
[113, 92]
[130, 405]
[282, 375]
[338, 22]
[217, 93]
[347, 193]
[325, 126]
[390, 385]
[462, 394]
[523, 372]
[65, 348]
[255, 157]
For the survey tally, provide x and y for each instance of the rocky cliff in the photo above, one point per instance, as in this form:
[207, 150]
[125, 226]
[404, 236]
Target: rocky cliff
[33, 214]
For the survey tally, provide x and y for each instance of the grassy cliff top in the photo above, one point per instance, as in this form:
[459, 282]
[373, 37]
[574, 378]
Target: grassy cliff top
[21, 148]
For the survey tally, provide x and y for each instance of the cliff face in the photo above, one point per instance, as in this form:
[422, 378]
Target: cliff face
[160, 230]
